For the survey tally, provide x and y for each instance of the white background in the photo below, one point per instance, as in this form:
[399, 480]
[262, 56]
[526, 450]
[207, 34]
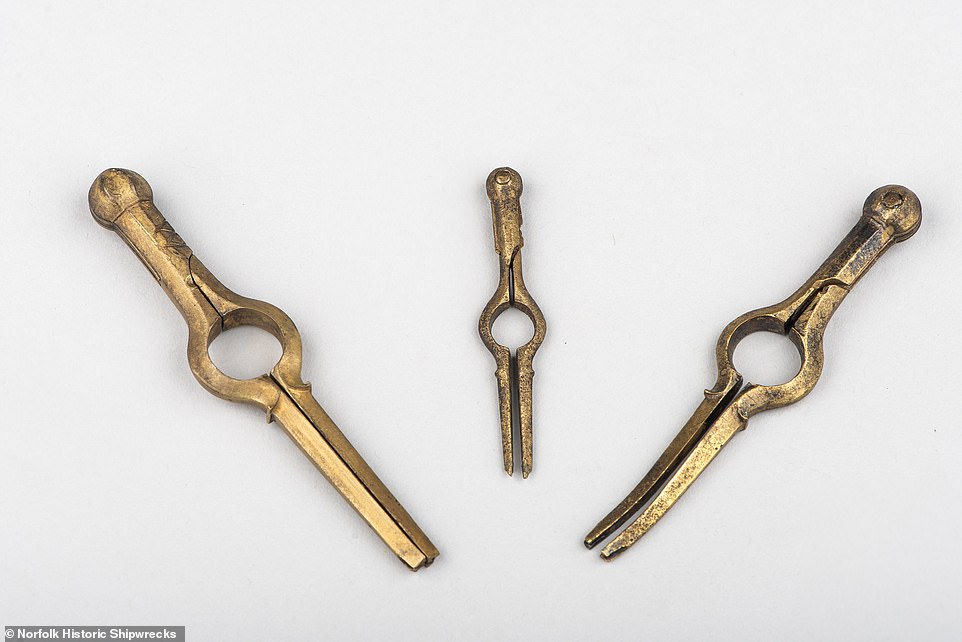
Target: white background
[683, 163]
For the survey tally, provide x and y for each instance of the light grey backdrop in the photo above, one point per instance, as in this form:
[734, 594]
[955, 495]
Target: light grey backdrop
[683, 163]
